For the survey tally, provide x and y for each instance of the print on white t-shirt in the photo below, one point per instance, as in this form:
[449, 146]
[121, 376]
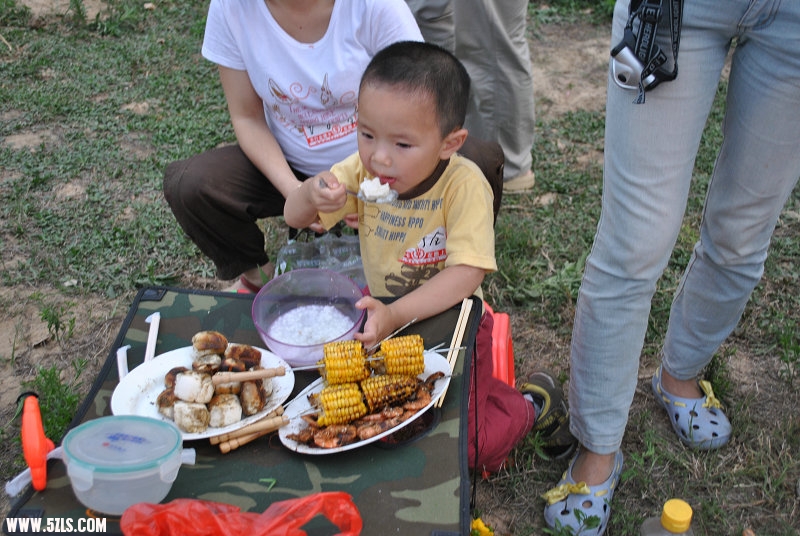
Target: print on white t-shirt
[336, 120]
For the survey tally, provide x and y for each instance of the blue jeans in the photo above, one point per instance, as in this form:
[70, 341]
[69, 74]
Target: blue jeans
[650, 151]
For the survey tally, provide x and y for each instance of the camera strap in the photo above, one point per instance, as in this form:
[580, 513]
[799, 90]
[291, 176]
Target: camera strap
[644, 19]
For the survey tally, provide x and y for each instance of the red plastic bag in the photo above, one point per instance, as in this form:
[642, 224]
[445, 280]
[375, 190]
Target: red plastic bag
[206, 518]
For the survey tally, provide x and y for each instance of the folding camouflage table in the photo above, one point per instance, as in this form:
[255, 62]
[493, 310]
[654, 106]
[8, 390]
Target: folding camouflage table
[419, 488]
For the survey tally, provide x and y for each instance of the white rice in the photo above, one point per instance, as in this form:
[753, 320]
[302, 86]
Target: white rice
[310, 324]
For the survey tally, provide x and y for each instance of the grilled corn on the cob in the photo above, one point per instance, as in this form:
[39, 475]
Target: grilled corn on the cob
[343, 362]
[404, 355]
[340, 404]
[388, 389]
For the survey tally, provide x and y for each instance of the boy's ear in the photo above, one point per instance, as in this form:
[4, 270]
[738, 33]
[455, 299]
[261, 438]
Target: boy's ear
[452, 143]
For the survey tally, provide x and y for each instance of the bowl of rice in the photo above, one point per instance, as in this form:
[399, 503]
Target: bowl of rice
[300, 311]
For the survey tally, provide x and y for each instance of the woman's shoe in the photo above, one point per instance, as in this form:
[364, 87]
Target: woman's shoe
[569, 497]
[699, 422]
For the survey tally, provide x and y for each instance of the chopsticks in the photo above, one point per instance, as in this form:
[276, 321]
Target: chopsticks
[455, 343]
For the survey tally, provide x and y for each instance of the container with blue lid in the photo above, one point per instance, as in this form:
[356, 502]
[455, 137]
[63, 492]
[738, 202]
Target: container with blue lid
[114, 462]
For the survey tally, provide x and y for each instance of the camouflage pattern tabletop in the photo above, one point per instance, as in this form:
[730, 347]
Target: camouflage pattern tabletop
[420, 488]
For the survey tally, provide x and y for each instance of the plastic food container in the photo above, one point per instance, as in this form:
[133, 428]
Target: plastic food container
[115, 462]
[327, 294]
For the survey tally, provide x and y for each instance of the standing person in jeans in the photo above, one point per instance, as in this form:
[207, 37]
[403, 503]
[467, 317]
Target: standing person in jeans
[650, 149]
[489, 38]
[290, 72]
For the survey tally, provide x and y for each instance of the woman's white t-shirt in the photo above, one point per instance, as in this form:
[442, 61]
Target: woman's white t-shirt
[309, 90]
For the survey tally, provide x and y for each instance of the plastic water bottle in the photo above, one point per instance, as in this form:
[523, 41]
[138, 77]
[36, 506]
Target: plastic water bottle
[675, 520]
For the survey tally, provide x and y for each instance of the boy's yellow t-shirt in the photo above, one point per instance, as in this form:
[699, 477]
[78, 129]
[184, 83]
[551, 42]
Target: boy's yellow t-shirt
[405, 243]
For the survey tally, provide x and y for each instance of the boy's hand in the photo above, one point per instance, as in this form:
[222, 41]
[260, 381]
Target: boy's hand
[320, 193]
[325, 193]
[380, 322]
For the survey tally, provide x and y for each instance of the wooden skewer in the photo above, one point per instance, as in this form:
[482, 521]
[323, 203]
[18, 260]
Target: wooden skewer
[233, 444]
[270, 425]
[259, 428]
[389, 336]
[438, 348]
[261, 424]
[322, 365]
[455, 344]
[227, 377]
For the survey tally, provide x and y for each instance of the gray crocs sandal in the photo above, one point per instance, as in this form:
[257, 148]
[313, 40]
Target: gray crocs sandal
[699, 422]
[570, 497]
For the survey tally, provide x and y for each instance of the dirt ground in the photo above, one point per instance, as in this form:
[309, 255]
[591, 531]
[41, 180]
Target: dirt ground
[45, 8]
[569, 65]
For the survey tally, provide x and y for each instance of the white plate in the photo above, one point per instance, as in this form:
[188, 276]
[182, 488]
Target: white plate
[433, 363]
[137, 392]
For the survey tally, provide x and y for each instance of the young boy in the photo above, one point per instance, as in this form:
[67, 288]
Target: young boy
[432, 247]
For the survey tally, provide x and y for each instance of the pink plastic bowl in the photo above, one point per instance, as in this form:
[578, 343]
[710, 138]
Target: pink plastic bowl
[307, 286]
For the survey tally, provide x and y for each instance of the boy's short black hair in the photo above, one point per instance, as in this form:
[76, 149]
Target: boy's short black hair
[427, 68]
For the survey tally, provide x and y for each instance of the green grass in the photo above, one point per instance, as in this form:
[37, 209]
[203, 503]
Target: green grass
[76, 83]
[570, 11]
[541, 249]
[110, 102]
[58, 400]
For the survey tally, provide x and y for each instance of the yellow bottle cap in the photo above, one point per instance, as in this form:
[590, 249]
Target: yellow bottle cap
[676, 516]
